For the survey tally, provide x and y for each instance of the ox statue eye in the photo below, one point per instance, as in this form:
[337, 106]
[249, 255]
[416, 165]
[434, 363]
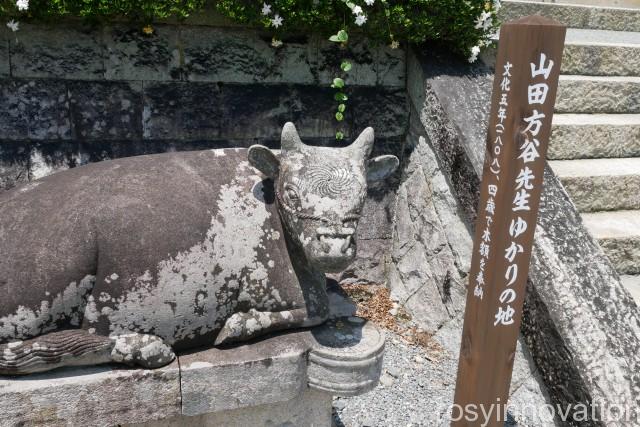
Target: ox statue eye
[292, 196]
[350, 220]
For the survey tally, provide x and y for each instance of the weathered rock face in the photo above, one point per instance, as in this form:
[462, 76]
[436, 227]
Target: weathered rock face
[177, 250]
[431, 246]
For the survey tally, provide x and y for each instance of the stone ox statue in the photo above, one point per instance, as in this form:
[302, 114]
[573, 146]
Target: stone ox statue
[130, 260]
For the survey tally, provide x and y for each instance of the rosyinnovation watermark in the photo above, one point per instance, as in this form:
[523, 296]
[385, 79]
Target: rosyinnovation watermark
[484, 414]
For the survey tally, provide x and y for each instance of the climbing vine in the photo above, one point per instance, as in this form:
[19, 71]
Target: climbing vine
[464, 25]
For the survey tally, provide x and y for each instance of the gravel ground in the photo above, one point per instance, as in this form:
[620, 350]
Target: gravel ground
[414, 391]
[418, 381]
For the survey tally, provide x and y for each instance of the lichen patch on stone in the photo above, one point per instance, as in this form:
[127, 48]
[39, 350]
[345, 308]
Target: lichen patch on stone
[68, 304]
[188, 296]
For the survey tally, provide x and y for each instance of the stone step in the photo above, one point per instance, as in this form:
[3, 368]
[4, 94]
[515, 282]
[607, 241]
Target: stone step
[601, 53]
[586, 136]
[632, 283]
[602, 3]
[576, 16]
[598, 94]
[619, 235]
[601, 184]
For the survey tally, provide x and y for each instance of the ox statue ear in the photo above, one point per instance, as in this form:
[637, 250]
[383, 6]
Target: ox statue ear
[264, 160]
[362, 146]
[381, 167]
[290, 140]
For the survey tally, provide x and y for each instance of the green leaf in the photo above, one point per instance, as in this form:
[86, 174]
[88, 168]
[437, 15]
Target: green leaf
[341, 37]
[340, 97]
[339, 135]
[346, 66]
[339, 116]
[342, 107]
[338, 83]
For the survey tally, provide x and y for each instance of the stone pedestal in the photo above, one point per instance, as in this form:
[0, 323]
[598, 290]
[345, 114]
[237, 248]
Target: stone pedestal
[310, 408]
[288, 379]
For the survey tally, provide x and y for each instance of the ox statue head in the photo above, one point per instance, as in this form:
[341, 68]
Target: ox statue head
[320, 192]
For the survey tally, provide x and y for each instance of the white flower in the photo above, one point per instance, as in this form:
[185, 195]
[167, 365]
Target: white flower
[22, 4]
[479, 22]
[484, 21]
[13, 25]
[488, 21]
[369, 2]
[275, 42]
[276, 21]
[474, 53]
[266, 9]
[357, 10]
[394, 45]
[496, 5]
[361, 19]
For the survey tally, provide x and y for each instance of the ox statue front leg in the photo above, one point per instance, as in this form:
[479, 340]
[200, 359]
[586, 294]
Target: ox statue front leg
[245, 326]
[310, 307]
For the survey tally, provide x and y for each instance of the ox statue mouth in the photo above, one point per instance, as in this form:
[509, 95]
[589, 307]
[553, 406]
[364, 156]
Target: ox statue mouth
[333, 245]
[334, 249]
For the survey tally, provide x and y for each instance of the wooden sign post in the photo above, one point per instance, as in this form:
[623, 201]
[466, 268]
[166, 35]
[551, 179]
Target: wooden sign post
[524, 92]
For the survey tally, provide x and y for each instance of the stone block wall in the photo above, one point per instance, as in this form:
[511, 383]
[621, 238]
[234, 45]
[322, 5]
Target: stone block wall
[73, 94]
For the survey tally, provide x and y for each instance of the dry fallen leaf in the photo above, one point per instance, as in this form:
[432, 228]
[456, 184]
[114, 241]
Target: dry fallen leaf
[374, 303]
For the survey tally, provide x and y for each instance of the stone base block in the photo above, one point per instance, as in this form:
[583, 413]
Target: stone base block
[286, 380]
[90, 396]
[309, 409]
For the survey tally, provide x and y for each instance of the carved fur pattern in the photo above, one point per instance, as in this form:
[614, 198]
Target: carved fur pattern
[52, 349]
[329, 180]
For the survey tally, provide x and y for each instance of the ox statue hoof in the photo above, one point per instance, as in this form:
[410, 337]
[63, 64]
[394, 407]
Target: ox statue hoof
[146, 351]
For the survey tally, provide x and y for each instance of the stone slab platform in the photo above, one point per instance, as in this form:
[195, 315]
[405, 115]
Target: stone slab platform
[342, 357]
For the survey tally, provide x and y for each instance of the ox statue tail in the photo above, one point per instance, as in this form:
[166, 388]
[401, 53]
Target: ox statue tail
[81, 348]
[64, 348]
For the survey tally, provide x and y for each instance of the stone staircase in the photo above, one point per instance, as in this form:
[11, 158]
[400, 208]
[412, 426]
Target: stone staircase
[595, 143]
